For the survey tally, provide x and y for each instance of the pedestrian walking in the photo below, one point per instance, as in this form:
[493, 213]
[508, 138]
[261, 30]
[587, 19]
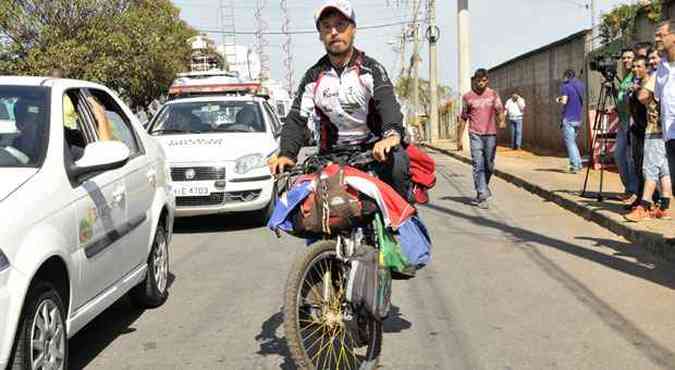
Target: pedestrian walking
[572, 99]
[515, 109]
[622, 152]
[664, 89]
[481, 110]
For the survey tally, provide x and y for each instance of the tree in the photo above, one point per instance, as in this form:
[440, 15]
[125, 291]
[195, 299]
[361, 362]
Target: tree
[619, 23]
[404, 90]
[135, 47]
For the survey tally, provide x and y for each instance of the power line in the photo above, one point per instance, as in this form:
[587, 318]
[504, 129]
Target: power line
[299, 32]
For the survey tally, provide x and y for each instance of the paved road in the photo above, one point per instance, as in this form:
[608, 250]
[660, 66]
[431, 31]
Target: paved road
[523, 285]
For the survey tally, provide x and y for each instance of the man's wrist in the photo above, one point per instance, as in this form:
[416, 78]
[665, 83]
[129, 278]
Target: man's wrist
[287, 155]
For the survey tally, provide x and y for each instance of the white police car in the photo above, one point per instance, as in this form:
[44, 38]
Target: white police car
[85, 219]
[218, 147]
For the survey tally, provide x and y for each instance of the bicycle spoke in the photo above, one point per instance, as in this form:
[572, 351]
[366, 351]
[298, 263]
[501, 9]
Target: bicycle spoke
[342, 351]
[350, 350]
[315, 342]
[320, 349]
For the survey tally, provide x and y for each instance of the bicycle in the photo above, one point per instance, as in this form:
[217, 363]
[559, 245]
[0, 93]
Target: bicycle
[323, 329]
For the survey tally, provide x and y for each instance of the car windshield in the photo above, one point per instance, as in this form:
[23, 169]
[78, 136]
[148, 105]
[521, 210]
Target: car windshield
[208, 117]
[24, 122]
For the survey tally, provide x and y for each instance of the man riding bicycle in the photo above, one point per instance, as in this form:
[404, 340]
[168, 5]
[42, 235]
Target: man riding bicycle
[346, 98]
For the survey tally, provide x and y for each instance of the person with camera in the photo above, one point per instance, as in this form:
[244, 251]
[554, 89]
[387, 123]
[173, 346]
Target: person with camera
[515, 108]
[622, 150]
[572, 99]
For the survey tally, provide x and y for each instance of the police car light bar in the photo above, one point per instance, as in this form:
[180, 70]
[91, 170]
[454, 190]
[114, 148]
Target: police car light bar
[241, 88]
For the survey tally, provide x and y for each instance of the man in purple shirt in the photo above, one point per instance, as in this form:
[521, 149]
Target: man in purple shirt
[480, 108]
[572, 99]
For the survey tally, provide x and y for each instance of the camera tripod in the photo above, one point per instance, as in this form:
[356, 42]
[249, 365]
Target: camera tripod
[608, 93]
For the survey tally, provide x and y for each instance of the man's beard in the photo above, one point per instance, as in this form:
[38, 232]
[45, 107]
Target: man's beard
[340, 54]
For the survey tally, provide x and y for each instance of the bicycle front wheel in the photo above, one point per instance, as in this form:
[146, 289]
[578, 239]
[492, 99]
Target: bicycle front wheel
[320, 330]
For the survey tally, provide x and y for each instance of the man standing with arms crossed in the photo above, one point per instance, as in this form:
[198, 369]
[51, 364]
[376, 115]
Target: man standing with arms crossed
[481, 107]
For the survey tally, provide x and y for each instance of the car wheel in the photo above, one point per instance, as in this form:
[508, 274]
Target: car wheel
[153, 290]
[41, 341]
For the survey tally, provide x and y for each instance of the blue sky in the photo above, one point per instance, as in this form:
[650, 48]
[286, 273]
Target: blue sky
[500, 29]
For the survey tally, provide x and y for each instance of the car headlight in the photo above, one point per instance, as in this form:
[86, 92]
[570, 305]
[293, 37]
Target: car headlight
[249, 162]
[4, 262]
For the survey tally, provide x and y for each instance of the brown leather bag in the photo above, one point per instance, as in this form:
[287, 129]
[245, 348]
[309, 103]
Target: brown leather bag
[331, 208]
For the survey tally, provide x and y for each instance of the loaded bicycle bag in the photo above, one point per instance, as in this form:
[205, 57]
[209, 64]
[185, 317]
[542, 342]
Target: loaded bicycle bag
[331, 208]
[369, 284]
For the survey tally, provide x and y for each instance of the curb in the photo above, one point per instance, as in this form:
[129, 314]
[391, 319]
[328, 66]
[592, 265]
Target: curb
[654, 242]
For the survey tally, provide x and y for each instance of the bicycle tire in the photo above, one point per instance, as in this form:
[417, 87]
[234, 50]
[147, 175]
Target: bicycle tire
[300, 271]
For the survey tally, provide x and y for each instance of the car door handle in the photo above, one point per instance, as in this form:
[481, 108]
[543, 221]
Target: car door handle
[151, 176]
[117, 197]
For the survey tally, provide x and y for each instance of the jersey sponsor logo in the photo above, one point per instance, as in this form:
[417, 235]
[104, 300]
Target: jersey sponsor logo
[328, 93]
[350, 108]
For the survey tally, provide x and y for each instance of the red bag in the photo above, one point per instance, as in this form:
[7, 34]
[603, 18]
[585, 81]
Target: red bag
[422, 173]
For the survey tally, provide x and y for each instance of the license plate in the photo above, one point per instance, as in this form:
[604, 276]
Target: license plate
[190, 191]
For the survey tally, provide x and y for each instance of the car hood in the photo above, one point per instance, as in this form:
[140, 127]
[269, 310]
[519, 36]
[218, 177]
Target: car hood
[13, 178]
[215, 147]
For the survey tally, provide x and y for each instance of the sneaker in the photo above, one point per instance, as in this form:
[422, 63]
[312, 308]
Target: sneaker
[661, 214]
[639, 213]
[483, 204]
[628, 200]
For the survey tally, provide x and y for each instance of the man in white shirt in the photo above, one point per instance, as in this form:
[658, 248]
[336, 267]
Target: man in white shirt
[515, 108]
[664, 90]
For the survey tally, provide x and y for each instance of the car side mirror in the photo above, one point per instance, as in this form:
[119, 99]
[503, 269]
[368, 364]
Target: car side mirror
[101, 156]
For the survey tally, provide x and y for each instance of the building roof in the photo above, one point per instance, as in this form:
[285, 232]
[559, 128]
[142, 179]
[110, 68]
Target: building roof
[567, 39]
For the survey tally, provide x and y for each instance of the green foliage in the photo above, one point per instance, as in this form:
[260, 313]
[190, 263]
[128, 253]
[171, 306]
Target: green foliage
[620, 22]
[404, 90]
[132, 46]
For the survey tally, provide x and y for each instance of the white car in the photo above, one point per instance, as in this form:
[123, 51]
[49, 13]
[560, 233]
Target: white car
[84, 220]
[217, 148]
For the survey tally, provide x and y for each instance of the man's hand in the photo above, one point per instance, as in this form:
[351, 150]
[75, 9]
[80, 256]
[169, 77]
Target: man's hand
[104, 128]
[278, 165]
[383, 147]
[501, 119]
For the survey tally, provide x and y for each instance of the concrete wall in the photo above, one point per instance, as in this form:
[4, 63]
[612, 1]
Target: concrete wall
[537, 77]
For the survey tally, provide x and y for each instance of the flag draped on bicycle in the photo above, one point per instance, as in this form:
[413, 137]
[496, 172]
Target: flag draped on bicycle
[398, 216]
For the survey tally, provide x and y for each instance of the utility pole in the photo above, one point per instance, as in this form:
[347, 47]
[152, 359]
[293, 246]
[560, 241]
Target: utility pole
[415, 63]
[432, 35]
[464, 61]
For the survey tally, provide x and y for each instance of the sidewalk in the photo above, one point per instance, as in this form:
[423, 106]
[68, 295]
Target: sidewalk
[547, 177]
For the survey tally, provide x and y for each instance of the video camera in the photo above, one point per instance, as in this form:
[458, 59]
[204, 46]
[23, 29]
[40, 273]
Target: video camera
[606, 65]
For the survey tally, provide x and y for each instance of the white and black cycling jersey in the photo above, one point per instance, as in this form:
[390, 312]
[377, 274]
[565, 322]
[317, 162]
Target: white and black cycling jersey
[351, 105]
